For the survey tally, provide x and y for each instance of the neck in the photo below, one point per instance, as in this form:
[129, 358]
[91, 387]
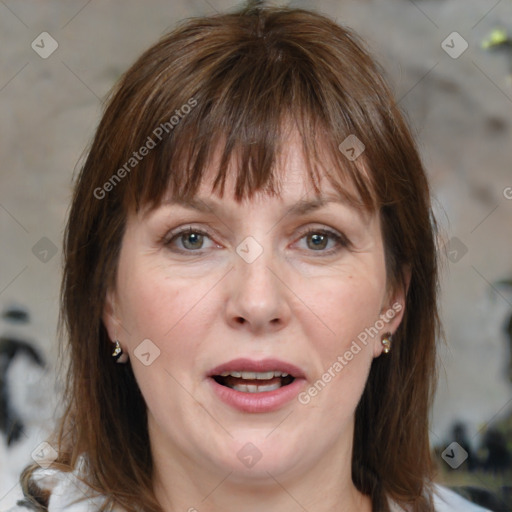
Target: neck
[182, 484]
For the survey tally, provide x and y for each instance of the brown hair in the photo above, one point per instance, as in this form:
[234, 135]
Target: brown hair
[244, 76]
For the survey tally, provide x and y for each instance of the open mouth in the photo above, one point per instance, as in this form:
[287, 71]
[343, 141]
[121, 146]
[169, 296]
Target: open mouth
[254, 382]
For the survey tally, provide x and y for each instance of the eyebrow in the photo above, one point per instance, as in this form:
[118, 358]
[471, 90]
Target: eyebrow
[301, 207]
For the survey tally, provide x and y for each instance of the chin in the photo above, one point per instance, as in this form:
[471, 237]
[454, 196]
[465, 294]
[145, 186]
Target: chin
[258, 455]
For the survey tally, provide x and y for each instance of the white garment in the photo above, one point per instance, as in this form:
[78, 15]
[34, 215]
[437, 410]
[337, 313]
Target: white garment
[446, 500]
[66, 489]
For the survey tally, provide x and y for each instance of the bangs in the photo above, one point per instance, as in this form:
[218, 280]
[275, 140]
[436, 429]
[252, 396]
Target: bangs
[178, 170]
[240, 106]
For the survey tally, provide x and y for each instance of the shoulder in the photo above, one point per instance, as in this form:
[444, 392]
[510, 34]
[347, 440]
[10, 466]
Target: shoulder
[446, 500]
[67, 492]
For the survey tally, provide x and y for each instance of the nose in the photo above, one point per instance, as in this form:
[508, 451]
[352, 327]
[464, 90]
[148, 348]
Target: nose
[258, 296]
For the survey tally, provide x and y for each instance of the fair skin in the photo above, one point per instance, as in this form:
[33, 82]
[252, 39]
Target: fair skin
[295, 302]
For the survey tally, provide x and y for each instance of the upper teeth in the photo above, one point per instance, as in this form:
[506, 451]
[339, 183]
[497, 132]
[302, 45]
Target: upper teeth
[254, 375]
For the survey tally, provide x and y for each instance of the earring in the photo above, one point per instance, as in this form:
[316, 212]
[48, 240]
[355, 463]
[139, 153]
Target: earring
[118, 354]
[386, 342]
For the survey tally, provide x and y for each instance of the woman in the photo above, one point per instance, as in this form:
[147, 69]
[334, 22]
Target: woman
[276, 343]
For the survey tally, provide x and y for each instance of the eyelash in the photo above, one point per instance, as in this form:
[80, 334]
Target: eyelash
[341, 240]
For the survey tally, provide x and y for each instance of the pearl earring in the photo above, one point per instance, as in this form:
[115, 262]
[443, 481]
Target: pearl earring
[386, 342]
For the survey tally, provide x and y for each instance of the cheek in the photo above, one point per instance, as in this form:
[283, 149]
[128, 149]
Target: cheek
[167, 311]
[157, 305]
[346, 308]
[170, 311]
[343, 306]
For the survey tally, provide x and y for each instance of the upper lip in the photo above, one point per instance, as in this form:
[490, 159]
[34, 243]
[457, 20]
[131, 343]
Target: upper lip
[252, 365]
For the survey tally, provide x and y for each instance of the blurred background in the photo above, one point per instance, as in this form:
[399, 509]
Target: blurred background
[450, 65]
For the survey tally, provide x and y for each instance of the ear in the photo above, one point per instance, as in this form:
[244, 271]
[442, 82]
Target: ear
[109, 318]
[393, 309]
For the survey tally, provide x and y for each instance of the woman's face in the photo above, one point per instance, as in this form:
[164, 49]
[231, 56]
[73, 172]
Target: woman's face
[267, 285]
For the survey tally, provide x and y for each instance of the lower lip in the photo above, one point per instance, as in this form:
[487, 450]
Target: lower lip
[266, 401]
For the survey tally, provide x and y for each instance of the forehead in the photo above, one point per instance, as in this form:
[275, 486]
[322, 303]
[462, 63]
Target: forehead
[294, 180]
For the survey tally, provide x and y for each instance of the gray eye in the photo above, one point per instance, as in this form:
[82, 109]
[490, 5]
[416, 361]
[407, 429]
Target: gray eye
[192, 240]
[318, 241]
